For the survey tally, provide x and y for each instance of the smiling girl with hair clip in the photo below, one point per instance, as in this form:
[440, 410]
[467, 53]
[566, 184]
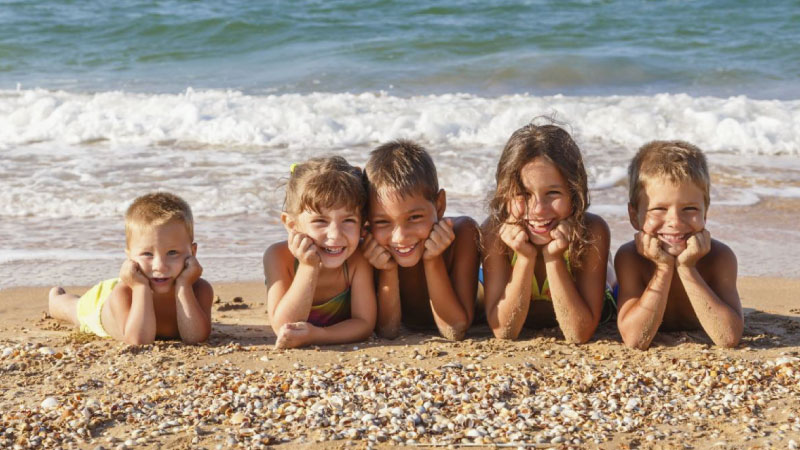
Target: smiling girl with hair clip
[545, 256]
[319, 286]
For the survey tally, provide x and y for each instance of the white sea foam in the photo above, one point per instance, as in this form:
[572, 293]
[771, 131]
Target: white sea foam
[321, 120]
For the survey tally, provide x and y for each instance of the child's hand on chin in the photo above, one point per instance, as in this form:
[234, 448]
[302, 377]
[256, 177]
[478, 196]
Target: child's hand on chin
[131, 274]
[442, 235]
[192, 270]
[697, 246]
[516, 238]
[378, 257]
[293, 335]
[650, 247]
[559, 242]
[514, 235]
[303, 249]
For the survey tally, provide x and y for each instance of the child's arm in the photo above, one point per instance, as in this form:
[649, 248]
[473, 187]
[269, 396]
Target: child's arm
[363, 309]
[193, 297]
[641, 307]
[289, 299]
[507, 289]
[132, 311]
[452, 295]
[578, 303]
[388, 289]
[716, 300]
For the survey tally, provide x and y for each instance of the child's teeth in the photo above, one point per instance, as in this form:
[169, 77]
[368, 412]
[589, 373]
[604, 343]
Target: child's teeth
[334, 250]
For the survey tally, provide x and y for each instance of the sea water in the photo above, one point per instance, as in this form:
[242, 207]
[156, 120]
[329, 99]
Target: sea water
[100, 103]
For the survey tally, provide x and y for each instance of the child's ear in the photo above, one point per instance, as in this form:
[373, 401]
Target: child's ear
[289, 222]
[441, 204]
[633, 216]
[194, 248]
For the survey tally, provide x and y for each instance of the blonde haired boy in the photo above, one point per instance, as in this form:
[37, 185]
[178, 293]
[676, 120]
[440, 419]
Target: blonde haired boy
[426, 265]
[159, 292]
[673, 276]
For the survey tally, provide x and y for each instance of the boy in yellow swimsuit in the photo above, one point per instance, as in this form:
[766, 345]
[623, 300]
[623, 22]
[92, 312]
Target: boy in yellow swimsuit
[159, 292]
[426, 266]
[673, 276]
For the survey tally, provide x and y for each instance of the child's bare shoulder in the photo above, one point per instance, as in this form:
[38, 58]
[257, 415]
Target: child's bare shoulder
[720, 258]
[628, 257]
[464, 226]
[277, 251]
[596, 225]
[203, 288]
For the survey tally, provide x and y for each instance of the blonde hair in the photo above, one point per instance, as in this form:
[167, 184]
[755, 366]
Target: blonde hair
[555, 145]
[403, 168]
[677, 161]
[158, 208]
[328, 182]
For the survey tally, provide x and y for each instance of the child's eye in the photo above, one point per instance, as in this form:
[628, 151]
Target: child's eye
[416, 217]
[351, 220]
[553, 192]
[690, 208]
[172, 252]
[380, 223]
[147, 254]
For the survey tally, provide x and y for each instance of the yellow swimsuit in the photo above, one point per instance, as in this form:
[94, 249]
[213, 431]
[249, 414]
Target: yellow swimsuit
[544, 295]
[90, 307]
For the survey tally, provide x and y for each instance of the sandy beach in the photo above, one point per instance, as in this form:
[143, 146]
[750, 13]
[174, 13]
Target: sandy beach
[64, 389]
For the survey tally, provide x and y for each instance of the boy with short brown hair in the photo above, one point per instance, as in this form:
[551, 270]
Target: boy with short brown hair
[159, 292]
[673, 276]
[426, 265]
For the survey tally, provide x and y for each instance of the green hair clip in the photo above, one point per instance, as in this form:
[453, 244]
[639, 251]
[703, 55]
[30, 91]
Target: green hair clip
[292, 167]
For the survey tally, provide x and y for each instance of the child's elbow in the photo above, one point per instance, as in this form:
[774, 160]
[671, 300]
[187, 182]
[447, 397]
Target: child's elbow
[388, 332]
[729, 340]
[137, 340]
[505, 333]
[455, 332]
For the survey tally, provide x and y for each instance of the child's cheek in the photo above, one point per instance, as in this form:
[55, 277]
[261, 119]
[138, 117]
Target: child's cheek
[651, 224]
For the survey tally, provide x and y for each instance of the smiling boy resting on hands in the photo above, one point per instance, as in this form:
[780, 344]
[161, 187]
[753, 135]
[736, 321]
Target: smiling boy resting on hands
[159, 292]
[673, 276]
[426, 265]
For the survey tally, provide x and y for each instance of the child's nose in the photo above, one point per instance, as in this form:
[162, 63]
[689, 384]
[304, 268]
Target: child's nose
[535, 205]
[159, 264]
[399, 234]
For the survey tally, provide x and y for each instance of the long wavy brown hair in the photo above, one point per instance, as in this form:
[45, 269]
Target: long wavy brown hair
[555, 145]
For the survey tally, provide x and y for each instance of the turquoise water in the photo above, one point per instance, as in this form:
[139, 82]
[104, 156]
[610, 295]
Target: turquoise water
[718, 48]
[103, 101]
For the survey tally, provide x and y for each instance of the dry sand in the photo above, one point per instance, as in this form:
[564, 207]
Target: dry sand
[64, 389]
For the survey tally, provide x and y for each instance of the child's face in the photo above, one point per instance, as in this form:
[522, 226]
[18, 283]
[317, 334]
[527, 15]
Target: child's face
[161, 252]
[672, 212]
[335, 232]
[402, 225]
[546, 201]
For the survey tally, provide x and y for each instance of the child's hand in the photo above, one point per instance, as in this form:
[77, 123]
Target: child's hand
[131, 274]
[516, 238]
[650, 247]
[293, 335]
[697, 246]
[378, 257]
[513, 234]
[303, 248]
[190, 273]
[442, 235]
[560, 241]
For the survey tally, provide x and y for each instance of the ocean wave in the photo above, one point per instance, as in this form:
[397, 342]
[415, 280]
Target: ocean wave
[217, 118]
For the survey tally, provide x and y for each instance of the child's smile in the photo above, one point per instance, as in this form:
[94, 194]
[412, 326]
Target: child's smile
[402, 225]
[335, 232]
[672, 212]
[546, 201]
